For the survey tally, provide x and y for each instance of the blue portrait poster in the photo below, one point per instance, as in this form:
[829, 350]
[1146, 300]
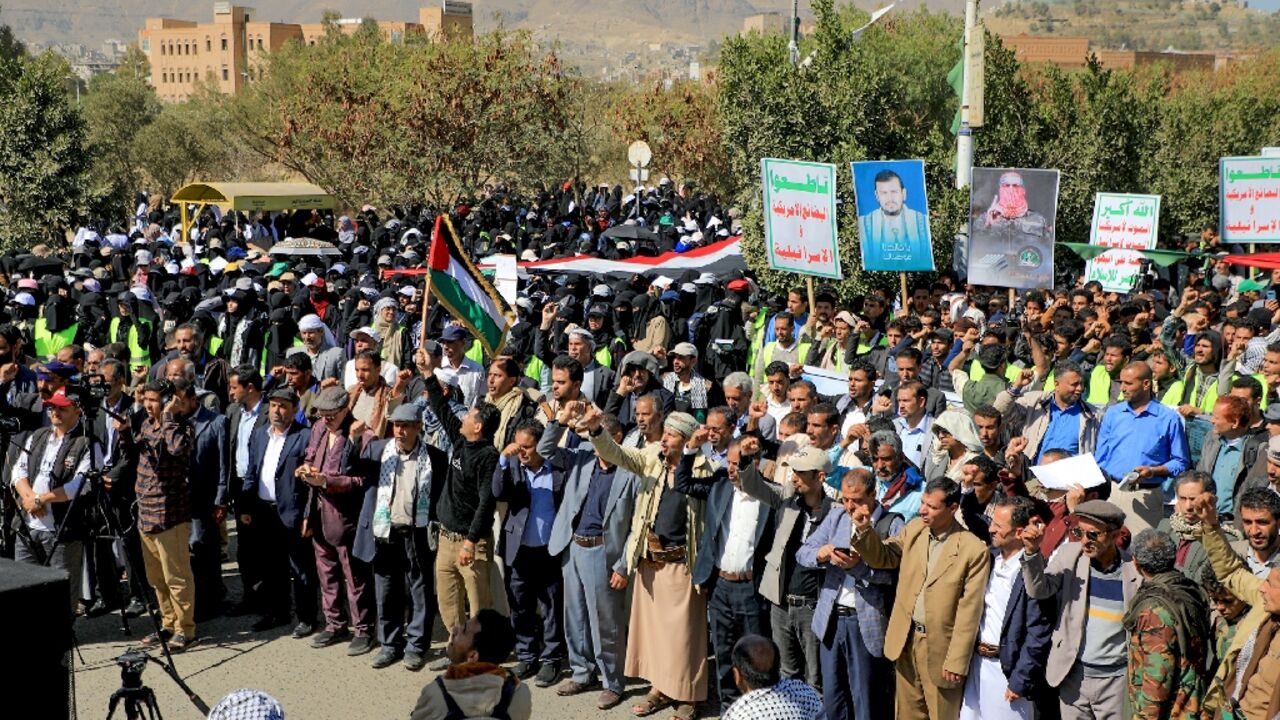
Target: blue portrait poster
[893, 215]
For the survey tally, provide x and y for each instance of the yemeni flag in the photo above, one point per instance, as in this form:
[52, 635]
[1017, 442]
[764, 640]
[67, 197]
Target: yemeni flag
[464, 292]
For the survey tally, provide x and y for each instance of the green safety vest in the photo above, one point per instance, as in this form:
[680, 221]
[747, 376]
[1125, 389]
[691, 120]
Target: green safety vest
[215, 343]
[49, 343]
[138, 357]
[476, 353]
[1099, 387]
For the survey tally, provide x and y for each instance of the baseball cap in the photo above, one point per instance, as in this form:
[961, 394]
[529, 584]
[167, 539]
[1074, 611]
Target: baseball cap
[809, 458]
[686, 349]
[453, 333]
[59, 399]
[373, 335]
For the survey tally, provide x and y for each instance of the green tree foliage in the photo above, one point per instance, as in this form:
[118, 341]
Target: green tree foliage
[43, 157]
[117, 107]
[374, 121]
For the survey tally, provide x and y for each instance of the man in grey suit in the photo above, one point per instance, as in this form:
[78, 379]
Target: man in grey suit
[208, 480]
[1093, 582]
[854, 604]
[593, 522]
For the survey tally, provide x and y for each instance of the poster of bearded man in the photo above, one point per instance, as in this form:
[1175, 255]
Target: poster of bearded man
[1012, 215]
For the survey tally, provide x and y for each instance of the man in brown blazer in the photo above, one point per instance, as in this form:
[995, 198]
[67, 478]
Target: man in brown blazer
[942, 580]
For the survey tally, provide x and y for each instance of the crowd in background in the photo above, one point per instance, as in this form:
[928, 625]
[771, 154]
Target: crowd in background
[765, 505]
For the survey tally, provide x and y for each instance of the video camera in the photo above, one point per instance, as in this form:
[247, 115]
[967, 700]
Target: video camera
[88, 390]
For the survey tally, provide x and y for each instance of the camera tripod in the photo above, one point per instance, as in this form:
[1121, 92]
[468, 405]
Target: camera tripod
[137, 696]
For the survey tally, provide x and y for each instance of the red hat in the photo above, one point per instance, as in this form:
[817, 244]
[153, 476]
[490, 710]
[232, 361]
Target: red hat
[59, 399]
[738, 285]
[318, 283]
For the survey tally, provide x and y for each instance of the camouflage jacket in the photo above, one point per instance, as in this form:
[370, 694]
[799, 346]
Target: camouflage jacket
[1165, 681]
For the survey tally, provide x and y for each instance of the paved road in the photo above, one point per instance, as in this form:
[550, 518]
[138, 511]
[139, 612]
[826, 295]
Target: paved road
[311, 684]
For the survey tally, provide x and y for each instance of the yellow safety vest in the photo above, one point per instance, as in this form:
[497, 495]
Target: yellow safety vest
[476, 353]
[1172, 396]
[533, 370]
[1099, 386]
[215, 343]
[138, 357]
[604, 356]
[977, 372]
[49, 343]
[757, 338]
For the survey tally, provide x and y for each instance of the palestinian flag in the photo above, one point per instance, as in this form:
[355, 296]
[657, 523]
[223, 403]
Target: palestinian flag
[464, 292]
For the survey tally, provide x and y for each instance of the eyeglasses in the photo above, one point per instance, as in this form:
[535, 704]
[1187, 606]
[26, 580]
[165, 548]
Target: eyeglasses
[1093, 535]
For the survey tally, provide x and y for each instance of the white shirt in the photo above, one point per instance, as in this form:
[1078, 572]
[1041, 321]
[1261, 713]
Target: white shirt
[915, 440]
[738, 545]
[471, 378]
[389, 373]
[270, 463]
[778, 410]
[40, 485]
[996, 602]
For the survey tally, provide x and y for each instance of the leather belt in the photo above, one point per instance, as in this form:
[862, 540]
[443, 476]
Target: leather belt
[844, 611]
[919, 628]
[588, 541]
[452, 536]
[741, 577]
[674, 554]
[988, 651]
[801, 601]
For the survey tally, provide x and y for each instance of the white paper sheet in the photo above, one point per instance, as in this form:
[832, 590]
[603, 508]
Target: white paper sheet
[1080, 470]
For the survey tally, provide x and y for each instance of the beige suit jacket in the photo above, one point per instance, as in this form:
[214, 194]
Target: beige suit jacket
[953, 595]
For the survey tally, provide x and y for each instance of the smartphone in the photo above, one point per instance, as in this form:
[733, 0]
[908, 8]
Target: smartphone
[1271, 294]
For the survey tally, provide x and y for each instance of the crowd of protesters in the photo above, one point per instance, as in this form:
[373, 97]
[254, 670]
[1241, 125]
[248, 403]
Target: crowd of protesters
[645, 481]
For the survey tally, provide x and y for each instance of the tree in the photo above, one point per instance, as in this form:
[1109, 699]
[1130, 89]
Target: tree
[681, 124]
[43, 159]
[118, 105]
[191, 141]
[399, 123]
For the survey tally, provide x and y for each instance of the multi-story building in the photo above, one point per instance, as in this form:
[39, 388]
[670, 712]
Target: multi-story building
[228, 52]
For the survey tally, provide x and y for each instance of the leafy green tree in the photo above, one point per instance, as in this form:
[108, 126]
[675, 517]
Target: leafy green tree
[43, 158]
[374, 121]
[118, 105]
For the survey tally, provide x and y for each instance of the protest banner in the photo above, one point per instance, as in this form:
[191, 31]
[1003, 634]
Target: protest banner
[800, 217]
[1250, 199]
[1011, 227]
[893, 215]
[1127, 223]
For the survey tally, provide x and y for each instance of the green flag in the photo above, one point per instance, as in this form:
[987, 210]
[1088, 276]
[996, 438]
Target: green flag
[955, 79]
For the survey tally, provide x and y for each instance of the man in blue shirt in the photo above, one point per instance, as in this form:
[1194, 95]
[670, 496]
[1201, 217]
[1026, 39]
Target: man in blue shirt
[1141, 436]
[532, 489]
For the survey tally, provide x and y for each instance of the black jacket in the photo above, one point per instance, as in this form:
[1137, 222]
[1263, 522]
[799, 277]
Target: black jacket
[466, 501]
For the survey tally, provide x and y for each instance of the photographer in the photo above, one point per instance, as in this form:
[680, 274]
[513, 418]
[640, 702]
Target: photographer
[164, 446]
[119, 471]
[47, 474]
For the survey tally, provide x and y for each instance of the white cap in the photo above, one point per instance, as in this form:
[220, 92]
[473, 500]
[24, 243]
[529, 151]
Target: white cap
[23, 298]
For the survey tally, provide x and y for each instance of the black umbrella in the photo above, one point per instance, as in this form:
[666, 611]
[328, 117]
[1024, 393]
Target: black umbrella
[630, 232]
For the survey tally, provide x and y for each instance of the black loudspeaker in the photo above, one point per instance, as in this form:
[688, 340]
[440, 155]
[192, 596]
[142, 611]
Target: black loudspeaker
[35, 614]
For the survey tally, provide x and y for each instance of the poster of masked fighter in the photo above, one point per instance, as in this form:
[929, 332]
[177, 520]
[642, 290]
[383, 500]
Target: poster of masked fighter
[1012, 215]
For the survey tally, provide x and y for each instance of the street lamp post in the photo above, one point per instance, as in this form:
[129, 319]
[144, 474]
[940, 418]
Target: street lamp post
[964, 139]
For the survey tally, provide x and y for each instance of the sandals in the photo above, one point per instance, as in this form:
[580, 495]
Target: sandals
[652, 703]
[685, 711]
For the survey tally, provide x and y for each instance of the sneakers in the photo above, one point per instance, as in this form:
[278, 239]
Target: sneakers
[413, 661]
[548, 674]
[303, 629]
[386, 658]
[326, 637]
[360, 645]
